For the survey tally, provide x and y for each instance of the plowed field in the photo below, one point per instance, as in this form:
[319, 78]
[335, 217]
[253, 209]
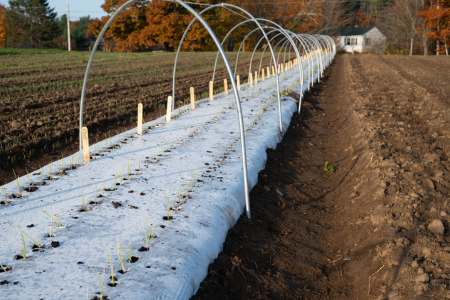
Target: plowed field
[377, 227]
[40, 97]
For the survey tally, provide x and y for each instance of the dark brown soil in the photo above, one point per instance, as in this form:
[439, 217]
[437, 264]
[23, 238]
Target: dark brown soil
[377, 227]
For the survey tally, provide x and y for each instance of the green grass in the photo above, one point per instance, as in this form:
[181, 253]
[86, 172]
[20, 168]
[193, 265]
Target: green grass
[14, 51]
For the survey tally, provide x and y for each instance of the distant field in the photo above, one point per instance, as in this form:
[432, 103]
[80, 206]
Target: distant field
[40, 95]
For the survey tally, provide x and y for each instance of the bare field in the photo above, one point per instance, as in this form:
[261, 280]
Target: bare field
[376, 228]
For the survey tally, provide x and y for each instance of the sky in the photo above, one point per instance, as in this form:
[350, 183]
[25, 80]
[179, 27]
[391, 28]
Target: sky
[77, 8]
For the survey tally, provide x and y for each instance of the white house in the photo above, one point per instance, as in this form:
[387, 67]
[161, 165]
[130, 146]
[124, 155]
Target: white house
[361, 39]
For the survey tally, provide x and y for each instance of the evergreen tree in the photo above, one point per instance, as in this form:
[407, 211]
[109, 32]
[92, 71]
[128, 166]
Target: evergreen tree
[31, 21]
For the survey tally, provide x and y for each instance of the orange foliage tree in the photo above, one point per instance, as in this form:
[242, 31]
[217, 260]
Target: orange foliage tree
[362, 19]
[143, 24]
[2, 26]
[438, 20]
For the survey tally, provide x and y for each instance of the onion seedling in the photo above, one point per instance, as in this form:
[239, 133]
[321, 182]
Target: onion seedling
[82, 199]
[112, 271]
[57, 220]
[4, 270]
[43, 175]
[139, 163]
[120, 255]
[35, 241]
[103, 188]
[17, 180]
[203, 174]
[51, 229]
[147, 229]
[61, 164]
[122, 249]
[50, 171]
[115, 182]
[102, 283]
[24, 252]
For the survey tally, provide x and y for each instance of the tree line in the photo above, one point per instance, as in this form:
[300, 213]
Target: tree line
[143, 26]
[33, 24]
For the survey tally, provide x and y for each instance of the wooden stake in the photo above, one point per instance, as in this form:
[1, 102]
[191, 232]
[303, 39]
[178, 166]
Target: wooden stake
[85, 136]
[192, 98]
[256, 77]
[268, 72]
[262, 74]
[169, 109]
[139, 126]
[238, 83]
[211, 92]
[225, 86]
[273, 71]
[250, 79]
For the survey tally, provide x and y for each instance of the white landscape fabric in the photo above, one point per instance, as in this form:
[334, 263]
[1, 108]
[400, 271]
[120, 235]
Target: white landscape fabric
[179, 256]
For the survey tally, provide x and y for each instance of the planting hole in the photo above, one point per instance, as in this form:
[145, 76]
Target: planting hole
[134, 259]
[31, 189]
[55, 244]
[143, 249]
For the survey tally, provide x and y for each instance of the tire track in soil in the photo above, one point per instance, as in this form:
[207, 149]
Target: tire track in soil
[380, 219]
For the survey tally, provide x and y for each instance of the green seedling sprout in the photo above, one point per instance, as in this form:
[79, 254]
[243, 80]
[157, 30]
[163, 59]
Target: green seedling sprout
[29, 182]
[50, 170]
[51, 228]
[169, 200]
[103, 187]
[139, 162]
[17, 180]
[120, 255]
[71, 162]
[203, 174]
[221, 151]
[193, 178]
[82, 199]
[24, 252]
[147, 229]
[128, 171]
[57, 220]
[4, 270]
[4, 193]
[61, 164]
[122, 249]
[102, 283]
[328, 168]
[112, 272]
[212, 157]
[168, 210]
[235, 135]
[94, 193]
[184, 190]
[34, 240]
[115, 182]
[87, 295]
[43, 176]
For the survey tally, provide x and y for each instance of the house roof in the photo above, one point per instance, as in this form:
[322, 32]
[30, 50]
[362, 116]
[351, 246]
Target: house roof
[349, 31]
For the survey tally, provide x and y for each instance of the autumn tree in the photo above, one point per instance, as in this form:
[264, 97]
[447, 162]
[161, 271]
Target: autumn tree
[437, 17]
[2, 26]
[362, 19]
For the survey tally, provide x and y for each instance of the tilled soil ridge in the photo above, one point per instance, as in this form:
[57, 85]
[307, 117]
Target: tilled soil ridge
[376, 228]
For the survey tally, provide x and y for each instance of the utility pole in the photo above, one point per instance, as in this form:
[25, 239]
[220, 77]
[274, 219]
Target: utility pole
[68, 27]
